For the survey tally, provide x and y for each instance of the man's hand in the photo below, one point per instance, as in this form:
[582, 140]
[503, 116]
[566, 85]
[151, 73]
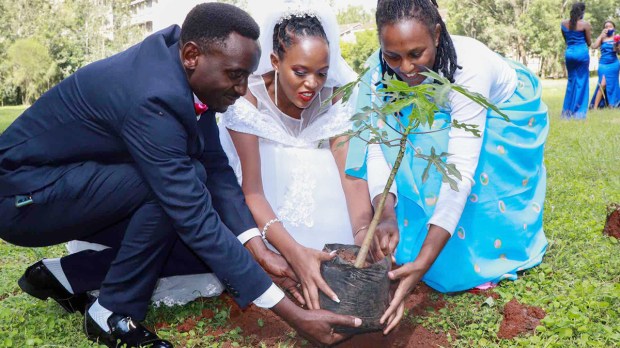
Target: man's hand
[291, 286]
[272, 262]
[317, 326]
[276, 267]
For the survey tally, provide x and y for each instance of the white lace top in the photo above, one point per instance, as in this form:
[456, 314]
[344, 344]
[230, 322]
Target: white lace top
[318, 122]
[300, 178]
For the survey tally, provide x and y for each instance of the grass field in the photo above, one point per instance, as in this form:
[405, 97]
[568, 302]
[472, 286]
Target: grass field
[578, 283]
[8, 114]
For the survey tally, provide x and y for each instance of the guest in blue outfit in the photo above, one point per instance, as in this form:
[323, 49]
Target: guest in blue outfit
[607, 93]
[578, 36]
[490, 228]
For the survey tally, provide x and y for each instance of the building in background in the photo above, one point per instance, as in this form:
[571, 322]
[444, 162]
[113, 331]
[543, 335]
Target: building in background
[154, 15]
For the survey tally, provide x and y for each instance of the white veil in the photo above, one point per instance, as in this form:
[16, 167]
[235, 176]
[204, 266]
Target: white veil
[268, 15]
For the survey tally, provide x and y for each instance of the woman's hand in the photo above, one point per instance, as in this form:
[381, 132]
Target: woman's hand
[306, 264]
[385, 240]
[411, 273]
[386, 235]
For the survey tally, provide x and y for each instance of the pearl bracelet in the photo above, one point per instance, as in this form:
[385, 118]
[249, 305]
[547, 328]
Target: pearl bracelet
[269, 223]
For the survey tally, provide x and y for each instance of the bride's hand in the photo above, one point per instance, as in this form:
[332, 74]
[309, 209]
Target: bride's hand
[306, 263]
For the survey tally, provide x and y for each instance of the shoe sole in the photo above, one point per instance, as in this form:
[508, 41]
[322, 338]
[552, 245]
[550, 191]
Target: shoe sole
[71, 305]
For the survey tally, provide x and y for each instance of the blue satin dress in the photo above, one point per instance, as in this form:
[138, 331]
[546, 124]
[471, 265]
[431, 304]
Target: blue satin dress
[501, 229]
[577, 62]
[608, 67]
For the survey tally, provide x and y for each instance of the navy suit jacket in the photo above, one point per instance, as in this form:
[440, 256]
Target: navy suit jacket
[137, 107]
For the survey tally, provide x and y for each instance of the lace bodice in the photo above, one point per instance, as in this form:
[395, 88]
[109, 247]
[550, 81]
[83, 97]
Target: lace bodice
[317, 124]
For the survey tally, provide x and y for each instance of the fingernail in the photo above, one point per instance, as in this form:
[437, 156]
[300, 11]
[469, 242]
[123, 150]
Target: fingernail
[336, 299]
[358, 322]
[333, 252]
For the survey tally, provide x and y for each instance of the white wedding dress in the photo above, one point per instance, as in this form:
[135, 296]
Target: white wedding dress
[300, 178]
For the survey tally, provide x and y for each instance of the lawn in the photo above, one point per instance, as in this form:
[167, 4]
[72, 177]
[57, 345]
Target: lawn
[8, 114]
[577, 285]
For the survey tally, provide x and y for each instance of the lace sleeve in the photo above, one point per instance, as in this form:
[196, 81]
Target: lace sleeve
[334, 122]
[246, 118]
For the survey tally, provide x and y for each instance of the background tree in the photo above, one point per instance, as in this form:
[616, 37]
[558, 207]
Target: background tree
[356, 54]
[524, 29]
[354, 14]
[72, 32]
[31, 68]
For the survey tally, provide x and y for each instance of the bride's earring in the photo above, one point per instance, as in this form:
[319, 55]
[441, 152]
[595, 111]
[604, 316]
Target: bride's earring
[276, 93]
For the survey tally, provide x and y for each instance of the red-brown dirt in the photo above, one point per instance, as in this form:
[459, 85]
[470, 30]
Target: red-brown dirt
[263, 326]
[612, 225]
[519, 319]
[349, 256]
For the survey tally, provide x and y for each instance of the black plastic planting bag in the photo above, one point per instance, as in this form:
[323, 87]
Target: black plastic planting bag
[363, 292]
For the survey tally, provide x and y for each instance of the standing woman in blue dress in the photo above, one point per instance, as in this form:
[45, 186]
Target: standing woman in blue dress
[578, 37]
[607, 93]
[490, 228]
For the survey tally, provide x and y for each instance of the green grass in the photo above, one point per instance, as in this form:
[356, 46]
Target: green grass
[8, 114]
[578, 283]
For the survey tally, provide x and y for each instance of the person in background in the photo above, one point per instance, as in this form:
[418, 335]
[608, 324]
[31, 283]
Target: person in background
[577, 34]
[607, 93]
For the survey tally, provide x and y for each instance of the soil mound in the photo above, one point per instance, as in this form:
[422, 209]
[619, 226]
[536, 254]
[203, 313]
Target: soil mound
[263, 326]
[612, 225]
[519, 319]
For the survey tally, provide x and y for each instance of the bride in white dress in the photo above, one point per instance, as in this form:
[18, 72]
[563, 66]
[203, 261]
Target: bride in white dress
[282, 141]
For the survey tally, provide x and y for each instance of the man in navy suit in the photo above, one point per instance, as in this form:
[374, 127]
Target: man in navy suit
[117, 149]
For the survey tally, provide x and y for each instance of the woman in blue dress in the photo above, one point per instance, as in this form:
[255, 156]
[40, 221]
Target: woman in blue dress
[607, 93]
[492, 227]
[577, 35]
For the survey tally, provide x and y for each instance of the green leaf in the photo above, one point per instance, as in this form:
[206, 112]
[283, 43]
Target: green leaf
[489, 301]
[425, 172]
[453, 171]
[565, 332]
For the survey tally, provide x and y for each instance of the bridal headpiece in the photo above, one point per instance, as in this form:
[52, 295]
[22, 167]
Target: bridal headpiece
[269, 16]
[298, 12]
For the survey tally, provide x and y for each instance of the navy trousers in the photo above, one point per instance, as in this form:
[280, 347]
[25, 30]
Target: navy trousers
[108, 204]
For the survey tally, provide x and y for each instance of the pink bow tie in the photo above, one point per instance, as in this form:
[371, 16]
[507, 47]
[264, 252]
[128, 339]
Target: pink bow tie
[200, 108]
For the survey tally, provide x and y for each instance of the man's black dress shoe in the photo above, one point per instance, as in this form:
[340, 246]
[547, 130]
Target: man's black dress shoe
[124, 332]
[39, 282]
